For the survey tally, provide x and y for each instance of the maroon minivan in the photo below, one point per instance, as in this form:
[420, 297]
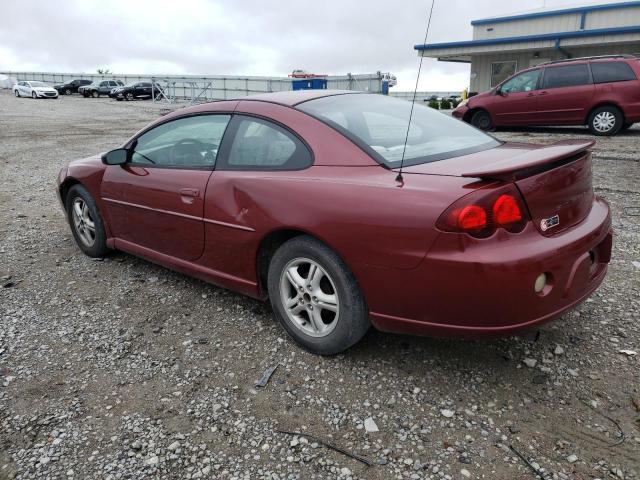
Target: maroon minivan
[600, 92]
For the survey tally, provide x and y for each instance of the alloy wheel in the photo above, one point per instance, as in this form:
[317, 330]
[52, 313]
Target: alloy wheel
[309, 297]
[604, 121]
[83, 223]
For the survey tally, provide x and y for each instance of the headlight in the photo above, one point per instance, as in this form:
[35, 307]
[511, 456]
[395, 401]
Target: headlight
[463, 103]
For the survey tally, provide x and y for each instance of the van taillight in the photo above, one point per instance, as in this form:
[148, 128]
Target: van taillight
[482, 212]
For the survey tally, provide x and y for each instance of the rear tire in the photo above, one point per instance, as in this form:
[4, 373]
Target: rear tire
[129, 96]
[482, 120]
[86, 223]
[67, 91]
[17, 93]
[326, 312]
[605, 121]
[95, 94]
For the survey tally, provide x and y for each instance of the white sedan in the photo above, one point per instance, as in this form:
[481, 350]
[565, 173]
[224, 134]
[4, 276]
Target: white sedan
[34, 90]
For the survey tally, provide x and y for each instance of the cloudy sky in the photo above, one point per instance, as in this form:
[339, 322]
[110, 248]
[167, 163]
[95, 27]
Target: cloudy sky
[244, 37]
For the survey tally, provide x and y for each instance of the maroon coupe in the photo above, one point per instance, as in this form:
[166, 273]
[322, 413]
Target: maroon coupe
[296, 196]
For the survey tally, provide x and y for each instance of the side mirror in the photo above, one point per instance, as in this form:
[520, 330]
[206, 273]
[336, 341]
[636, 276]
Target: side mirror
[116, 157]
[500, 92]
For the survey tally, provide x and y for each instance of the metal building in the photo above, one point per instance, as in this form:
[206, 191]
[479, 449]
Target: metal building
[504, 45]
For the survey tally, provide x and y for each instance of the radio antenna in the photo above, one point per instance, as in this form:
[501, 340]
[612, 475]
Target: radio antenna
[415, 91]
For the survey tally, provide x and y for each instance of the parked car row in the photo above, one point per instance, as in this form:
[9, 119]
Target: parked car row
[113, 88]
[600, 92]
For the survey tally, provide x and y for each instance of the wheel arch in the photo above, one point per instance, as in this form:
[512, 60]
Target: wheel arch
[469, 115]
[64, 188]
[605, 103]
[268, 246]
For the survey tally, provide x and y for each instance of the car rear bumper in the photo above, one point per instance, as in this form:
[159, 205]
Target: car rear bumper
[467, 287]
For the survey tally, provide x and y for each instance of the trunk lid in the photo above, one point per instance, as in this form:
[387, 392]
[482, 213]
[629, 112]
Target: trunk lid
[555, 180]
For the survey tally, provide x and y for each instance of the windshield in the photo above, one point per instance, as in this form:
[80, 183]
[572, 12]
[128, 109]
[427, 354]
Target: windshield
[378, 124]
[38, 84]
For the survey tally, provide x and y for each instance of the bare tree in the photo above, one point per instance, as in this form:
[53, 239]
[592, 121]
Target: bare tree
[103, 71]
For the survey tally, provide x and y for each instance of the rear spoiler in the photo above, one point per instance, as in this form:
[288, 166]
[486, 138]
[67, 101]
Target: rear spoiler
[526, 163]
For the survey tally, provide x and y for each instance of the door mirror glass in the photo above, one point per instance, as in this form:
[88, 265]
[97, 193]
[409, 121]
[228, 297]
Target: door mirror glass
[115, 157]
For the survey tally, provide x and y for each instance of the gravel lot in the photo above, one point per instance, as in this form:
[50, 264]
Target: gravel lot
[123, 369]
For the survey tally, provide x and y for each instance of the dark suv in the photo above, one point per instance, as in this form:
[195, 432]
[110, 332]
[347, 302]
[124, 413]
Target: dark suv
[71, 87]
[99, 87]
[600, 92]
[140, 90]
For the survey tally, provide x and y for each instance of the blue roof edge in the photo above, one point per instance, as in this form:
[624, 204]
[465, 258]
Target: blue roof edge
[529, 38]
[553, 13]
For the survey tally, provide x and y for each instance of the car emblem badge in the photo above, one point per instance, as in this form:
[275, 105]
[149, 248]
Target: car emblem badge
[547, 223]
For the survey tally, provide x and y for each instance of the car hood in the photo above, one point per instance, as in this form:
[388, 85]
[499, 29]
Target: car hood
[44, 89]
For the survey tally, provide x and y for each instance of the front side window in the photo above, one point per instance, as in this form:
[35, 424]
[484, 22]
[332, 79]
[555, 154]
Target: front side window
[525, 82]
[604, 72]
[261, 145]
[190, 142]
[500, 71]
[567, 76]
[378, 124]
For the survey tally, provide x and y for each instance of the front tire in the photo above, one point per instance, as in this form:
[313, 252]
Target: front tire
[95, 94]
[605, 121]
[315, 297]
[482, 120]
[33, 95]
[86, 223]
[67, 91]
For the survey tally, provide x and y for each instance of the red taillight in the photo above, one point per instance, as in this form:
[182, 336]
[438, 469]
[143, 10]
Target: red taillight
[506, 210]
[483, 211]
[472, 218]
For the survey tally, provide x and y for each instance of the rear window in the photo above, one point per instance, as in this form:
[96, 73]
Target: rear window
[604, 72]
[567, 76]
[378, 124]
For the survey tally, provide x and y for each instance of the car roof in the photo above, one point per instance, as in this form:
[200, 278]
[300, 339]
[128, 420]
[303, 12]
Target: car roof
[294, 97]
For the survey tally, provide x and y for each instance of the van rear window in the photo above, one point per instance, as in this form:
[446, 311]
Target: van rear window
[604, 72]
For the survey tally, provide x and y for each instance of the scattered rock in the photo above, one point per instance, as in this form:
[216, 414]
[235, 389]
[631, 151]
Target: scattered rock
[370, 425]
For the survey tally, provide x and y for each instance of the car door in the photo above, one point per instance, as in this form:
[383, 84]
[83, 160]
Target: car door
[156, 199]
[566, 95]
[515, 100]
[145, 90]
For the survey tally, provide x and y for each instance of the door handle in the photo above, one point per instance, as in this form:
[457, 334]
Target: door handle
[189, 192]
[543, 92]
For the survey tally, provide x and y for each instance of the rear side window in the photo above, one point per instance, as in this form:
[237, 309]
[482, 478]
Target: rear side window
[604, 72]
[261, 145]
[567, 76]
